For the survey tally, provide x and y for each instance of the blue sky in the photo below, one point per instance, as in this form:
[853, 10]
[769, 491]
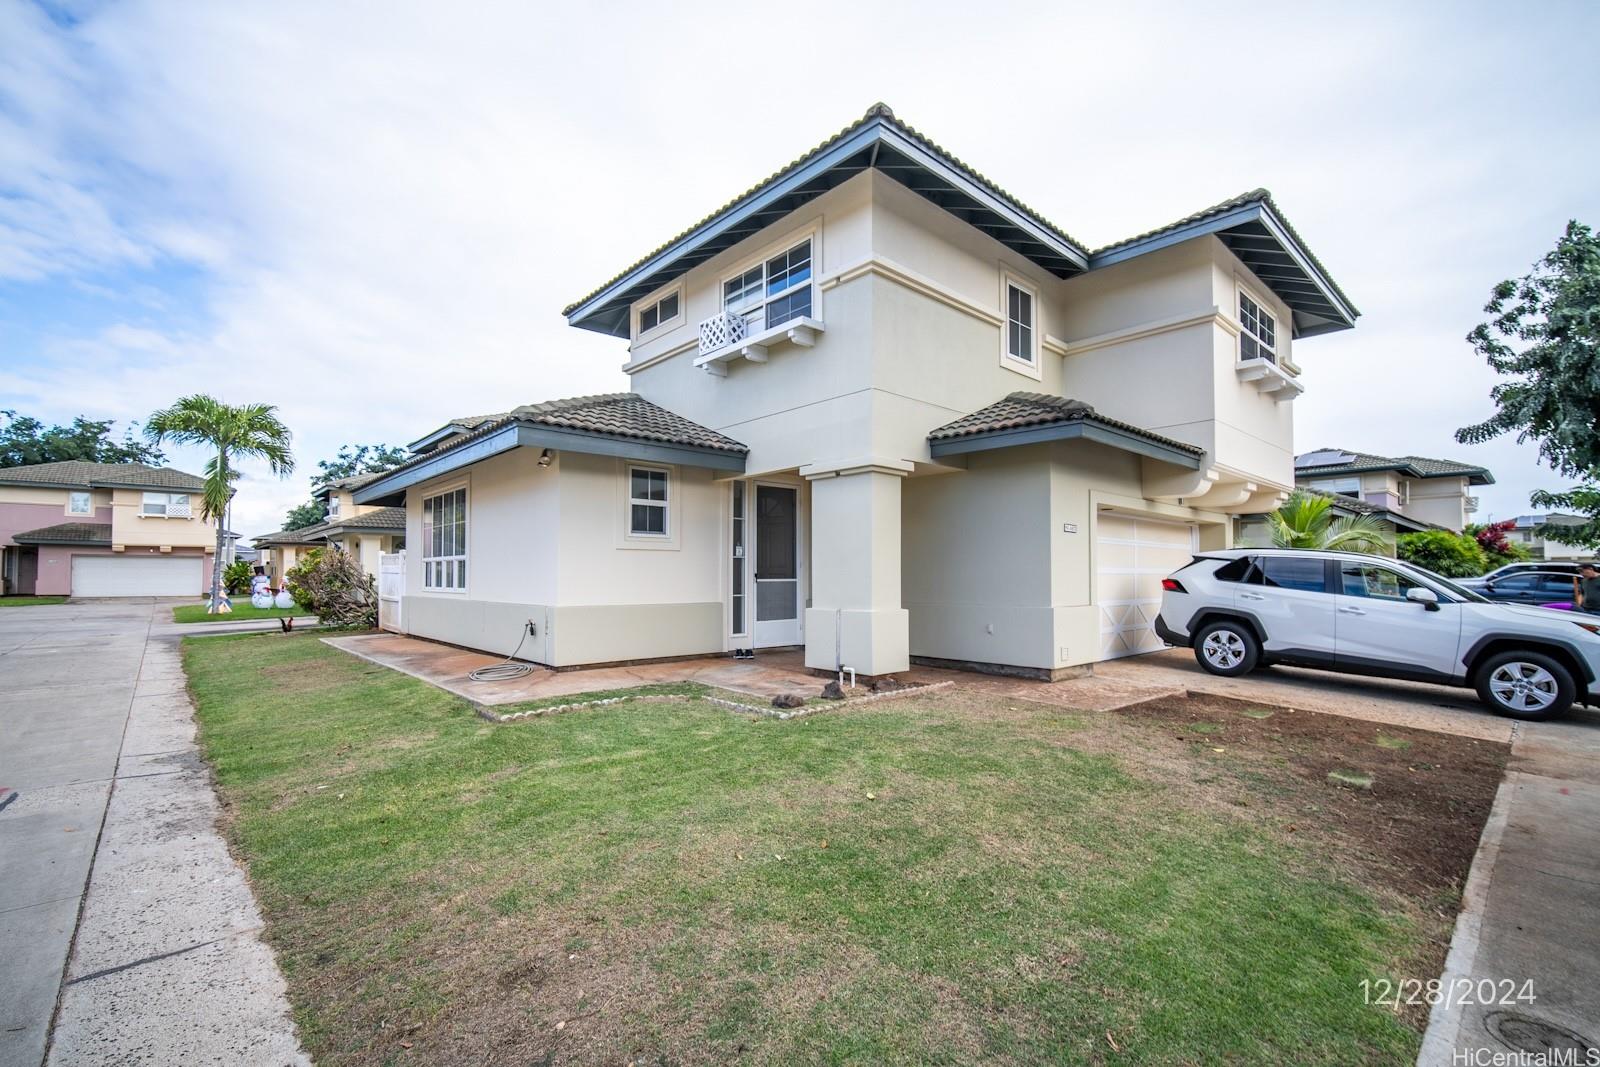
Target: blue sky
[372, 216]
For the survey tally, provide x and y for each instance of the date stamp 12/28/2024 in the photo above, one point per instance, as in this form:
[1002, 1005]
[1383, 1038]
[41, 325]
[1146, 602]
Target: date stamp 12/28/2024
[1397, 993]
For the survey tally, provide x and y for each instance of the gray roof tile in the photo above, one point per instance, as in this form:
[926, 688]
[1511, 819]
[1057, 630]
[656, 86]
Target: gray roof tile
[82, 474]
[1040, 409]
[1415, 466]
[67, 533]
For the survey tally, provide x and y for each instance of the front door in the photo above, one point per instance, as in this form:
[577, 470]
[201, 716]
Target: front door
[777, 577]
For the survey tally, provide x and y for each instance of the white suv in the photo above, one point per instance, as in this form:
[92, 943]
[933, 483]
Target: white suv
[1245, 607]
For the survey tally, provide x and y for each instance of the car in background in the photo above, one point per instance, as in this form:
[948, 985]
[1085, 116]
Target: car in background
[1537, 588]
[1247, 607]
[1524, 567]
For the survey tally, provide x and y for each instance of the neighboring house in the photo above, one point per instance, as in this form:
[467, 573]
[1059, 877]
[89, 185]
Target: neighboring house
[103, 529]
[364, 531]
[1254, 530]
[1527, 535]
[881, 410]
[1433, 492]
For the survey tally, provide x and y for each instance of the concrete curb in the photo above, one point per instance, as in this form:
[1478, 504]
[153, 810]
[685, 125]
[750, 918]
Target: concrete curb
[1444, 1021]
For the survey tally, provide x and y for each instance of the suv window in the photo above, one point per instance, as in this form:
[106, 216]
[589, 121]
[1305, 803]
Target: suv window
[1290, 572]
[1377, 583]
[1556, 583]
[1516, 582]
[1237, 571]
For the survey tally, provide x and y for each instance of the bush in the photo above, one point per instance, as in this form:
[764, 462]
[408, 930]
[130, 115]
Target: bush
[236, 577]
[1440, 551]
[332, 586]
[1495, 540]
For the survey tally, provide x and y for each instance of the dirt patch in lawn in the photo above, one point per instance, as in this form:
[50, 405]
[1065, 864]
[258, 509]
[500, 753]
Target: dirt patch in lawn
[1407, 805]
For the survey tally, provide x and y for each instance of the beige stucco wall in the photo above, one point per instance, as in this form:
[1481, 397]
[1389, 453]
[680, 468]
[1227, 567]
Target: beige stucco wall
[130, 528]
[1441, 501]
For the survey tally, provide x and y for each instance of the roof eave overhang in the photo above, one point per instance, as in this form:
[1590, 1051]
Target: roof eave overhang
[23, 539]
[607, 311]
[391, 489]
[1077, 429]
[425, 443]
[1288, 269]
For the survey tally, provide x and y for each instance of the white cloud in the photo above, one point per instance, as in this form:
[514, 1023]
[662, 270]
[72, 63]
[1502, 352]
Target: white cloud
[390, 205]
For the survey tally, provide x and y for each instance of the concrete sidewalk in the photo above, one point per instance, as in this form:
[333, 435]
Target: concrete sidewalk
[1531, 911]
[107, 829]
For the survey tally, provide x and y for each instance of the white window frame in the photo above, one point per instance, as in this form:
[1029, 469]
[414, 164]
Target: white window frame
[639, 329]
[754, 310]
[631, 501]
[1265, 308]
[429, 572]
[165, 512]
[1029, 366]
[333, 505]
[88, 502]
[1339, 486]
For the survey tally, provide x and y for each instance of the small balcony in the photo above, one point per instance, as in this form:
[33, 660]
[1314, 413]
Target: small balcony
[1264, 373]
[727, 337]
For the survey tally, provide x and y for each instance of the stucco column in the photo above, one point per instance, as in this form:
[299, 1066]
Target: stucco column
[856, 617]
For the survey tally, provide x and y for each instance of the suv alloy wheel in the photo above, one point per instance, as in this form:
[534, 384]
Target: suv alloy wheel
[1525, 685]
[1227, 648]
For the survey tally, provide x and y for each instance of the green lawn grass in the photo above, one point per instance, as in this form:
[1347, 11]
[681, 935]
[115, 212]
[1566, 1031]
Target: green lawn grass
[924, 881]
[30, 601]
[242, 609]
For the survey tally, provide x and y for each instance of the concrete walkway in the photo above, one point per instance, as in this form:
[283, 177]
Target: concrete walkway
[1531, 911]
[121, 912]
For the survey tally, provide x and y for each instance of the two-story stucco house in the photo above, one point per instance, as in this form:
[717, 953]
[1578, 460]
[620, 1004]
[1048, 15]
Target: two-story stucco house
[1408, 490]
[882, 410]
[103, 529]
[363, 530]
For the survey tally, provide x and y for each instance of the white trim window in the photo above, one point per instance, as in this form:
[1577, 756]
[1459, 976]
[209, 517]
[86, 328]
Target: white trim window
[648, 504]
[1258, 338]
[774, 291]
[737, 625]
[444, 541]
[333, 505]
[1350, 487]
[79, 503]
[1020, 340]
[165, 506]
[661, 312]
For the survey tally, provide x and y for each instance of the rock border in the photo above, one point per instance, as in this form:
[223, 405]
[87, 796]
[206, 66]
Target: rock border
[766, 711]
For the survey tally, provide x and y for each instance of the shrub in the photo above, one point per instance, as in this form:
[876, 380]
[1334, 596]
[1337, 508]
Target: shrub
[236, 577]
[1496, 542]
[332, 585]
[1452, 555]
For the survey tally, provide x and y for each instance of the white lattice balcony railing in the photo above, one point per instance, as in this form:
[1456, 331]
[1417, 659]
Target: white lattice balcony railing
[720, 331]
[178, 508]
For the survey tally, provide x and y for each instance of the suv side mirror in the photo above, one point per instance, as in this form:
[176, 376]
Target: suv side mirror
[1426, 597]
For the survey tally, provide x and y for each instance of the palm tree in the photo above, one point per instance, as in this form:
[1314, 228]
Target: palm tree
[1306, 520]
[247, 431]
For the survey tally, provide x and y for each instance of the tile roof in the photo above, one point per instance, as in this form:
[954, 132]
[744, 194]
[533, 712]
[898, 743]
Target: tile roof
[82, 474]
[1023, 409]
[303, 535]
[1352, 506]
[1415, 466]
[620, 415]
[67, 533]
[878, 111]
[378, 519]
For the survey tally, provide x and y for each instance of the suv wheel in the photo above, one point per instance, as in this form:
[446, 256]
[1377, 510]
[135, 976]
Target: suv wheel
[1525, 685]
[1227, 648]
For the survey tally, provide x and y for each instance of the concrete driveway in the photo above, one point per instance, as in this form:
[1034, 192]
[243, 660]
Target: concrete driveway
[122, 916]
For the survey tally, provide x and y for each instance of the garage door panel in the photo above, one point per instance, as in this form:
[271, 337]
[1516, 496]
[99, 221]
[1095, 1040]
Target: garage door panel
[1131, 557]
[113, 576]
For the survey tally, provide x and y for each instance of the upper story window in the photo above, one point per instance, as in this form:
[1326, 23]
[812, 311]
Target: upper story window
[1343, 486]
[647, 502]
[170, 505]
[773, 292]
[79, 504]
[659, 313]
[444, 540]
[1259, 337]
[333, 505]
[1021, 327]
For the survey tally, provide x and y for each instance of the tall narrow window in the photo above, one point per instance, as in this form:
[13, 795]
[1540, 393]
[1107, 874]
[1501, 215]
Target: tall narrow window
[444, 541]
[738, 559]
[774, 292]
[647, 502]
[1019, 323]
[1259, 338]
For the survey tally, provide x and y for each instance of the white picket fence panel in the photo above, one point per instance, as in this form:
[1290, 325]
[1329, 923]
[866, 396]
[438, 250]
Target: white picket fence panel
[391, 590]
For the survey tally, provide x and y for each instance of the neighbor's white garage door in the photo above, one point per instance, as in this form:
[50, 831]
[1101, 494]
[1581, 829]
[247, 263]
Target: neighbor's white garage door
[1132, 555]
[137, 575]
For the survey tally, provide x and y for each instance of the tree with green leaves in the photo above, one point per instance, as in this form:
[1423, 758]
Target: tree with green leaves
[308, 514]
[247, 431]
[25, 440]
[1545, 338]
[1306, 520]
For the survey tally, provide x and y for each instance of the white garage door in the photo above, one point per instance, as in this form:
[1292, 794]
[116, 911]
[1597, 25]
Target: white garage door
[137, 575]
[1132, 555]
